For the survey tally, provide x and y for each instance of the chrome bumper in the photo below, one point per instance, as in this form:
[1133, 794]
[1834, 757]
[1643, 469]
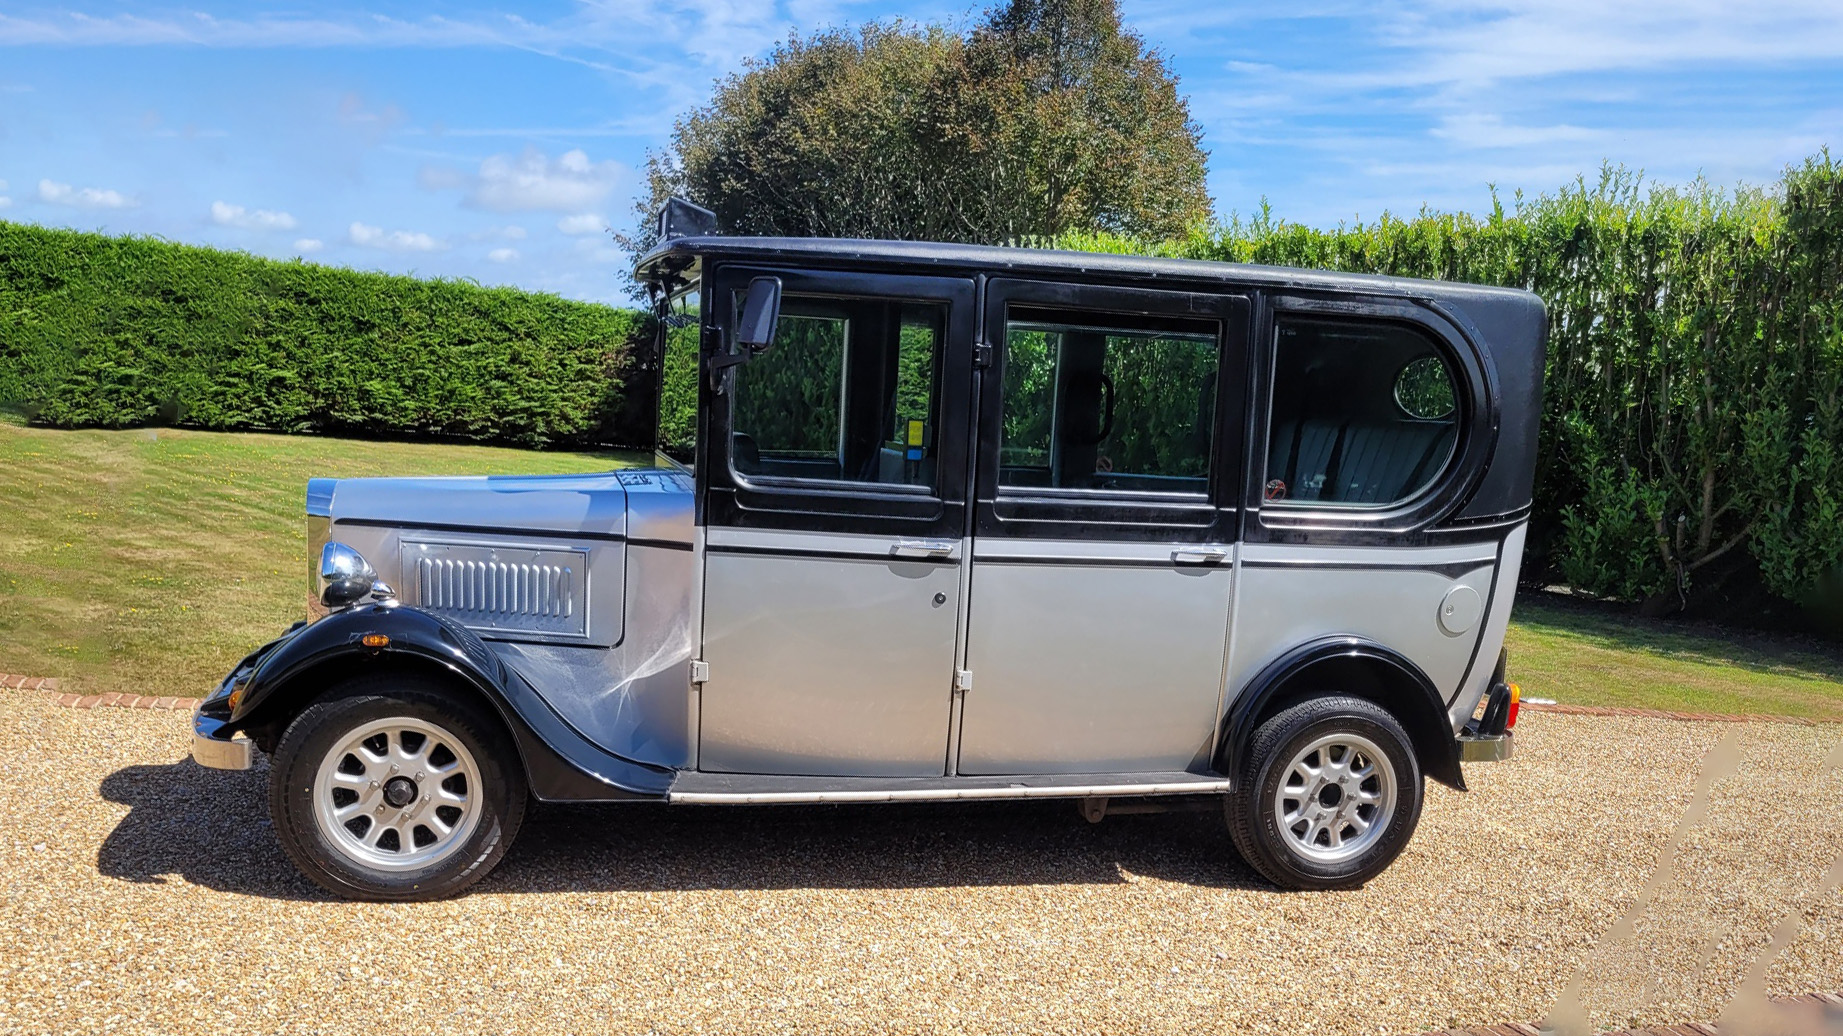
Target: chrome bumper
[1485, 749]
[214, 747]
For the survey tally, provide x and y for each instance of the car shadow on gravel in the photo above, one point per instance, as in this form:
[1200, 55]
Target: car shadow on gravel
[212, 828]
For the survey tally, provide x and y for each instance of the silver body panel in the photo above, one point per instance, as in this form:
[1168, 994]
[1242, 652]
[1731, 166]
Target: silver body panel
[827, 655]
[1092, 657]
[1290, 595]
[1496, 624]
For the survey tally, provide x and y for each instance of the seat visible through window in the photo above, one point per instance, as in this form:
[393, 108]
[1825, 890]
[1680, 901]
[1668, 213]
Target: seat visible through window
[1363, 413]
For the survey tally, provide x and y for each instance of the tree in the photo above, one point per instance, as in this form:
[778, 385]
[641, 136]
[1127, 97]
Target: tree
[1048, 117]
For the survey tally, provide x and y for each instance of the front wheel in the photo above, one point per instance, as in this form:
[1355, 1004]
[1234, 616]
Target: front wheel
[391, 787]
[1328, 794]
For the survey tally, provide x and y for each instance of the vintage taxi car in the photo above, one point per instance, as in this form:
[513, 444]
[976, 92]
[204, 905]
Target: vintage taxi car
[937, 521]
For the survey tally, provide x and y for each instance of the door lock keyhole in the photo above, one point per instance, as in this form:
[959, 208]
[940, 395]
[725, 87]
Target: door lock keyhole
[940, 599]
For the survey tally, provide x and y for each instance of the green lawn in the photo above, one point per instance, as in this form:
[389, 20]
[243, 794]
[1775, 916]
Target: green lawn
[149, 561]
[1591, 655]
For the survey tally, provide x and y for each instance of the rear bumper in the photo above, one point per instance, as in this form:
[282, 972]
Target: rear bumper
[1480, 749]
[215, 747]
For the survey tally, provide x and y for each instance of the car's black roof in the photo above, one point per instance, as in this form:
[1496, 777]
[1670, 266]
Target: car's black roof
[681, 252]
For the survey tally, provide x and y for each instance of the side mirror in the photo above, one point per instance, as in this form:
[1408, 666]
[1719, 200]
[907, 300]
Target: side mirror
[761, 311]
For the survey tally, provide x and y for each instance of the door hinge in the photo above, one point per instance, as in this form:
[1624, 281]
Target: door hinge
[700, 671]
[982, 354]
[963, 680]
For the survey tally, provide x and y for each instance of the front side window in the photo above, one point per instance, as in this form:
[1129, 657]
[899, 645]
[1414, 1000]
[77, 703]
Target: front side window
[1364, 413]
[1099, 402]
[848, 392]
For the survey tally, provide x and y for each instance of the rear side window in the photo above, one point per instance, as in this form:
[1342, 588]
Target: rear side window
[1364, 413]
[1097, 402]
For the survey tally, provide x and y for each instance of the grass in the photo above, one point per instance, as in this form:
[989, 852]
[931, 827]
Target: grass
[1590, 654]
[150, 561]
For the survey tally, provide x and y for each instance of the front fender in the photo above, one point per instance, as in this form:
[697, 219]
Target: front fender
[560, 764]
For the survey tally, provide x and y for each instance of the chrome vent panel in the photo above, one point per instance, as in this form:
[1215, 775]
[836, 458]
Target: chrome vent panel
[500, 588]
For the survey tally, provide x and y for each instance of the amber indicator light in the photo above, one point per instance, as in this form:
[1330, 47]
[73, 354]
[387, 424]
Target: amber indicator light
[374, 640]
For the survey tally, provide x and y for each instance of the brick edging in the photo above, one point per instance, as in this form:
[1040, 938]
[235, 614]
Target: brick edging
[1687, 717]
[1829, 1002]
[49, 686]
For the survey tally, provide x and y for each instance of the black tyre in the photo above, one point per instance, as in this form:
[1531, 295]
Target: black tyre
[1328, 794]
[392, 787]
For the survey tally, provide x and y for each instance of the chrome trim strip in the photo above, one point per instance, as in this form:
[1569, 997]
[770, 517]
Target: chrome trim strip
[1369, 557]
[712, 798]
[634, 541]
[887, 557]
[1449, 569]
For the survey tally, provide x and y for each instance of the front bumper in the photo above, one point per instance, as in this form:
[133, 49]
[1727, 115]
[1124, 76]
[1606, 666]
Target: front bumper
[214, 746]
[1475, 748]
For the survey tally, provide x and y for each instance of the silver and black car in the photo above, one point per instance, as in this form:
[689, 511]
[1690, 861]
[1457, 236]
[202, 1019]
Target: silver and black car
[935, 521]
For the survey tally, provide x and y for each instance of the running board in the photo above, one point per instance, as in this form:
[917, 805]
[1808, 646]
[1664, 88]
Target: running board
[693, 788]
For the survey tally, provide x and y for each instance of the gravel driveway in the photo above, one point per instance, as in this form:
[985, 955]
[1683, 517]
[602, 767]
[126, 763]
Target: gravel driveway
[140, 893]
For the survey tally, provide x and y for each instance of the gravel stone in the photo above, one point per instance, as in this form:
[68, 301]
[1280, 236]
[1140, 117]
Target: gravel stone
[140, 893]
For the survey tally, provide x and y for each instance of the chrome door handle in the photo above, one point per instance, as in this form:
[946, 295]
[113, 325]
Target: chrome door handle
[922, 549]
[1200, 555]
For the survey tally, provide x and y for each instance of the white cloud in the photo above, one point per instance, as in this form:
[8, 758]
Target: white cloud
[512, 233]
[4, 200]
[503, 255]
[367, 236]
[225, 214]
[583, 223]
[309, 244]
[54, 193]
[597, 250]
[531, 181]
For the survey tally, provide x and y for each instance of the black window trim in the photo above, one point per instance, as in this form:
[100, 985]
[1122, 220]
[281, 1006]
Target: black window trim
[1478, 406]
[732, 500]
[1115, 514]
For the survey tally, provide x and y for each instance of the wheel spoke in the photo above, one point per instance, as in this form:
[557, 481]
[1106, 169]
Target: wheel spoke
[1336, 797]
[392, 751]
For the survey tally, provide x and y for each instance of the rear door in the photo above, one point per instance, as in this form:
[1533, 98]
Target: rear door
[833, 472]
[1108, 459]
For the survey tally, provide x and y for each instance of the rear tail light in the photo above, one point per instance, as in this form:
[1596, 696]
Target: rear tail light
[1516, 701]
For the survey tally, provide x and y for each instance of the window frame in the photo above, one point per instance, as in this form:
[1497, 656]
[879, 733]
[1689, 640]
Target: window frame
[1476, 408]
[1115, 514]
[730, 498]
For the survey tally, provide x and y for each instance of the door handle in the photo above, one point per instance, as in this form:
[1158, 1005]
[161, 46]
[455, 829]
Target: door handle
[1200, 555]
[922, 549]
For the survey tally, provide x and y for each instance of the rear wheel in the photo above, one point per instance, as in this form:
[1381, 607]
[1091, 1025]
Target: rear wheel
[391, 787]
[1327, 796]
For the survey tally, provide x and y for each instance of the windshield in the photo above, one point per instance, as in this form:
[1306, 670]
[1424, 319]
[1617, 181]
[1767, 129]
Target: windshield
[677, 430]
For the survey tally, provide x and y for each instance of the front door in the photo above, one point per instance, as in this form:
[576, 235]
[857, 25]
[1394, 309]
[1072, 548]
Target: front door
[833, 472]
[1109, 459]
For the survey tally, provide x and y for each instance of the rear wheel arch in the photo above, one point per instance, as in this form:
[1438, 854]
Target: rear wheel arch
[1350, 667]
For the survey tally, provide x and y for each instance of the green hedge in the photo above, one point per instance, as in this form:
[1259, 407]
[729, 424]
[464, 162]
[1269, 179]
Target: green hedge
[1693, 413]
[122, 331]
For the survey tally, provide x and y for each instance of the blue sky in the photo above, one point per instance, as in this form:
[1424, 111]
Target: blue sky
[498, 142]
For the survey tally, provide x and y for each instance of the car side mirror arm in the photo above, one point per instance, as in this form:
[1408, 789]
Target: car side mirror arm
[761, 314]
